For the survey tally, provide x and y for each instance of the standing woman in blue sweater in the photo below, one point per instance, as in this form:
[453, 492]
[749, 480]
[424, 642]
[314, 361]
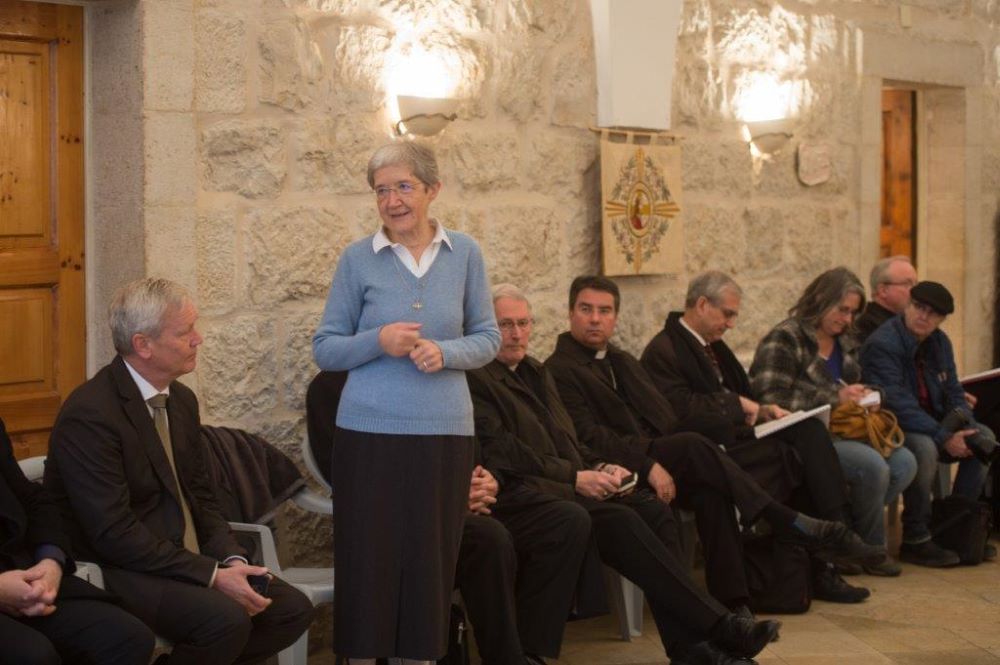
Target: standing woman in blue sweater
[408, 312]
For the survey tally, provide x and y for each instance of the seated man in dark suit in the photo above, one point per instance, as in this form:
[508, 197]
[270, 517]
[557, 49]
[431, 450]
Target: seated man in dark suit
[46, 617]
[128, 472]
[527, 435]
[695, 370]
[620, 415]
[517, 587]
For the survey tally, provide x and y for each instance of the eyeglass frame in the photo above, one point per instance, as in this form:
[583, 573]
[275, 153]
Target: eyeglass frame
[521, 324]
[404, 189]
[927, 310]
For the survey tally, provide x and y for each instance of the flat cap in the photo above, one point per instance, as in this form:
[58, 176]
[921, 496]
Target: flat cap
[935, 296]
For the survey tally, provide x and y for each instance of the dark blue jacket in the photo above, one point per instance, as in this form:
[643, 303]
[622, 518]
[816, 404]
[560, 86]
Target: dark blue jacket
[888, 361]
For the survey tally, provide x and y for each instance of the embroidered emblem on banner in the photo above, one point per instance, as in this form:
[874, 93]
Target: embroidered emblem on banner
[642, 231]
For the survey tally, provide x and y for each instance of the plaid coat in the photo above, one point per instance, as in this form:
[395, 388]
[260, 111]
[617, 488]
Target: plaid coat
[787, 369]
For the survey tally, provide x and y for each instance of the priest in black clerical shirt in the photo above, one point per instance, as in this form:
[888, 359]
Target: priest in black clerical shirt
[527, 435]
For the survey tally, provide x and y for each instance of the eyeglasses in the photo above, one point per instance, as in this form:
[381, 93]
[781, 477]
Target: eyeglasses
[926, 310]
[509, 324]
[404, 190]
[909, 283]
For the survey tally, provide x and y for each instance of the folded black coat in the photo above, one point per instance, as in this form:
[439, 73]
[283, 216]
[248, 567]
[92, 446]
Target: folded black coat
[251, 477]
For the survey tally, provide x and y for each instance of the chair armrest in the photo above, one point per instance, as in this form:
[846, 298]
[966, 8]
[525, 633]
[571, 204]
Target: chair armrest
[90, 572]
[309, 500]
[267, 549]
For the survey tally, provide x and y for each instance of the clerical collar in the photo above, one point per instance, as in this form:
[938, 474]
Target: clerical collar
[600, 354]
[701, 340]
[513, 367]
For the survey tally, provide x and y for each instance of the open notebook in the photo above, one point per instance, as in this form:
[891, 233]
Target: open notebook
[770, 427]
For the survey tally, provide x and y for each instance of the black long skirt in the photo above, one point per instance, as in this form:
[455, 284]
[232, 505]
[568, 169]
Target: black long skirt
[398, 510]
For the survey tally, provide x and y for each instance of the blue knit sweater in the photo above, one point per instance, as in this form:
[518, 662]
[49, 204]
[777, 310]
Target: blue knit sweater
[390, 395]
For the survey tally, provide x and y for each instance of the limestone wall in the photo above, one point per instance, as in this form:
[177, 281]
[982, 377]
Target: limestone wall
[259, 116]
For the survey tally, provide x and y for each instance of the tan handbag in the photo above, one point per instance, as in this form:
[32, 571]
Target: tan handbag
[879, 428]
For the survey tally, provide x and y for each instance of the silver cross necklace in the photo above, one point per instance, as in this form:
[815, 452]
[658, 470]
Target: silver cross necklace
[416, 293]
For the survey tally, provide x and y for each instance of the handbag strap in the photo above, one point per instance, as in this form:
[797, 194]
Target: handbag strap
[884, 432]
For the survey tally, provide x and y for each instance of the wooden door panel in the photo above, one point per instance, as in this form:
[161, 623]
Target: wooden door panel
[26, 341]
[25, 218]
[898, 174]
[42, 326]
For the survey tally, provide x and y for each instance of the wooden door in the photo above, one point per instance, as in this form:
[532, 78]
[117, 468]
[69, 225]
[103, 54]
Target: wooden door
[898, 174]
[42, 342]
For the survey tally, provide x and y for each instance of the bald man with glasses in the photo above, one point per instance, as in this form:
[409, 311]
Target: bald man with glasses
[891, 280]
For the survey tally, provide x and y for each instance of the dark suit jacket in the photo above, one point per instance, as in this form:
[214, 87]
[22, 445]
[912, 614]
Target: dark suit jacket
[110, 474]
[603, 418]
[525, 434]
[683, 373]
[28, 515]
[870, 320]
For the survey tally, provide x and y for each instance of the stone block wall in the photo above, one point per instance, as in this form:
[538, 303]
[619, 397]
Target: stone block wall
[258, 117]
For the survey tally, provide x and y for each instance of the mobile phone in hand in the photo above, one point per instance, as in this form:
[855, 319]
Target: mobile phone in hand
[259, 583]
[628, 482]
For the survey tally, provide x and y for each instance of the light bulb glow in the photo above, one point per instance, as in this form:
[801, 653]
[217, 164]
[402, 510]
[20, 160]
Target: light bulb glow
[418, 72]
[762, 97]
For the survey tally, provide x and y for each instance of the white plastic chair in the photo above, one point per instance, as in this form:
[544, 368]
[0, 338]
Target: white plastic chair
[315, 583]
[306, 498]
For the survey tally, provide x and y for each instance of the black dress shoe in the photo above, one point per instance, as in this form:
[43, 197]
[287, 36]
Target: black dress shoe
[928, 553]
[828, 585]
[744, 637]
[834, 542]
[532, 659]
[706, 653]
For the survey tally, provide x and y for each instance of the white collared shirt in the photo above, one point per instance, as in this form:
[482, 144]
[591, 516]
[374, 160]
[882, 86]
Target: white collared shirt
[146, 389]
[701, 340]
[419, 268]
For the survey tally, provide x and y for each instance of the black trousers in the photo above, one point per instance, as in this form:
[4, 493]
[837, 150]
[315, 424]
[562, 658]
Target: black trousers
[632, 536]
[205, 625]
[549, 537]
[81, 631]
[823, 492]
[485, 575]
[710, 483]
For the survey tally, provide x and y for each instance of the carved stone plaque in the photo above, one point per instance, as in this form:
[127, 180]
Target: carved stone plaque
[815, 166]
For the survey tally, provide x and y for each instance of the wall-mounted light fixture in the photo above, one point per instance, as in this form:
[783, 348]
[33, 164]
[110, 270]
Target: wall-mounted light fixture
[768, 136]
[420, 86]
[425, 116]
[764, 105]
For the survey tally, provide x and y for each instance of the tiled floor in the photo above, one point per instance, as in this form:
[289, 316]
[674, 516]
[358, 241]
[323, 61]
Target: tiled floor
[924, 617]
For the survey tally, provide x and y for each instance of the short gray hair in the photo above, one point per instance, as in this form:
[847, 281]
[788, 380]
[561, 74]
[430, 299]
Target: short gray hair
[711, 284]
[508, 290]
[139, 307]
[417, 157]
[880, 271]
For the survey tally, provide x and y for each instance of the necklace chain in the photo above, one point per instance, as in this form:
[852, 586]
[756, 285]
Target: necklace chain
[417, 302]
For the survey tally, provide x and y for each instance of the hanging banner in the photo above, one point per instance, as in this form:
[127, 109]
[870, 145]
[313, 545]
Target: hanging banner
[641, 195]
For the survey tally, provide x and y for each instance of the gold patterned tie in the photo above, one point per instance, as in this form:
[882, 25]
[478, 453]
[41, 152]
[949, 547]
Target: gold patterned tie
[159, 406]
